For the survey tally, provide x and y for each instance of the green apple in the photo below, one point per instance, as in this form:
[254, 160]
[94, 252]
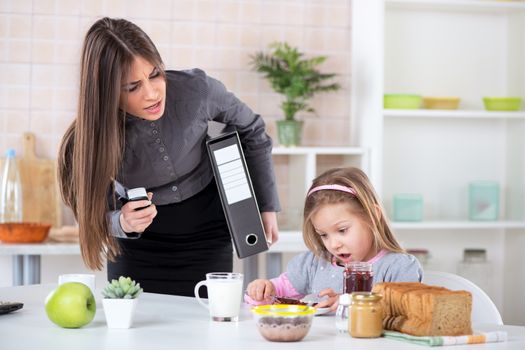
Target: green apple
[71, 305]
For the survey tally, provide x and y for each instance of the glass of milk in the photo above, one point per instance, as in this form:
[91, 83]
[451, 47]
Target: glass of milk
[224, 295]
[86, 278]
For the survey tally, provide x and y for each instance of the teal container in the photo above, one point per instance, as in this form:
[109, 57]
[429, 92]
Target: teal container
[408, 207]
[484, 200]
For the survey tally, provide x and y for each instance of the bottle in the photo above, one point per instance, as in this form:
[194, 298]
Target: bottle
[357, 277]
[342, 314]
[476, 268]
[10, 190]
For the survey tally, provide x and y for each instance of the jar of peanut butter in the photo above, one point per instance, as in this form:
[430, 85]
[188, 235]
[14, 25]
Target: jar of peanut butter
[366, 315]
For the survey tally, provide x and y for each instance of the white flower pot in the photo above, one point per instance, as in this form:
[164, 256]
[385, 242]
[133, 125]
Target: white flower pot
[119, 312]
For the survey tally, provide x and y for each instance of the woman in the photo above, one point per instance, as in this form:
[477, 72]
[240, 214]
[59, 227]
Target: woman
[141, 126]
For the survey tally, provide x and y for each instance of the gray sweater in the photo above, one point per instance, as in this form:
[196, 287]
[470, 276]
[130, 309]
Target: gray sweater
[309, 274]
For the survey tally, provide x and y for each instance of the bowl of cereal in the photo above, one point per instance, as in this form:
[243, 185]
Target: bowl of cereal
[283, 323]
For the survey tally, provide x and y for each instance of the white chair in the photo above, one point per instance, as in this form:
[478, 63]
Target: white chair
[483, 309]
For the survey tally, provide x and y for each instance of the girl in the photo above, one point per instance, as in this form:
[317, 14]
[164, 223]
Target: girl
[141, 126]
[343, 222]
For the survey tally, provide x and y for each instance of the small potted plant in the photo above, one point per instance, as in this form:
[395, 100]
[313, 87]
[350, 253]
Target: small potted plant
[120, 301]
[298, 80]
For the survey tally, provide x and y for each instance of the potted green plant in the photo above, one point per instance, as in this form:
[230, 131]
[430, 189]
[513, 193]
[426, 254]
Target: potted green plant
[120, 301]
[298, 79]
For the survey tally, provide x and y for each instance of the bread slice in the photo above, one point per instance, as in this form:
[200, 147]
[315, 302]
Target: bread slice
[423, 310]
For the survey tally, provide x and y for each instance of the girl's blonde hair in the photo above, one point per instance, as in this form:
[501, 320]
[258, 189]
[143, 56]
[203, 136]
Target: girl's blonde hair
[91, 149]
[365, 204]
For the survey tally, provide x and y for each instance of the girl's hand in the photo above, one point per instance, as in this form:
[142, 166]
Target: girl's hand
[332, 301]
[261, 290]
[132, 220]
[269, 220]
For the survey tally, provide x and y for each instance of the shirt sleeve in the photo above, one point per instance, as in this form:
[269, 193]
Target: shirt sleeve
[405, 269]
[283, 288]
[114, 218]
[115, 228]
[224, 107]
[300, 272]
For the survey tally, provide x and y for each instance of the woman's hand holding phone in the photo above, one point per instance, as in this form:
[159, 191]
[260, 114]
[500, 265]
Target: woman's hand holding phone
[136, 216]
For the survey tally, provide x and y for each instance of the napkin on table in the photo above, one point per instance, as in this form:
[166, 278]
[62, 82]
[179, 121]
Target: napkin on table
[476, 338]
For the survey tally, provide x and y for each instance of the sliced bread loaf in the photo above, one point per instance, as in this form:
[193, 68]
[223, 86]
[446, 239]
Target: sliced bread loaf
[423, 310]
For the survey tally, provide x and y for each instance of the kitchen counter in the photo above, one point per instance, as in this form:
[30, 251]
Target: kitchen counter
[27, 257]
[173, 322]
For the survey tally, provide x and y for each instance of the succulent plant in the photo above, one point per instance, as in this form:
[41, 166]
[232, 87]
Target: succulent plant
[123, 288]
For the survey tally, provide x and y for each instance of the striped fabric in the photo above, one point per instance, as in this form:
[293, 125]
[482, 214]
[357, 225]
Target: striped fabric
[476, 338]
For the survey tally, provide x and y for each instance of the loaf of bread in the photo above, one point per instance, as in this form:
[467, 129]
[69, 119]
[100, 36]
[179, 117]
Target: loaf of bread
[423, 310]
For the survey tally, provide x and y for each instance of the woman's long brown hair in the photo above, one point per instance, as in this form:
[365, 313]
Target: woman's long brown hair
[366, 204]
[91, 149]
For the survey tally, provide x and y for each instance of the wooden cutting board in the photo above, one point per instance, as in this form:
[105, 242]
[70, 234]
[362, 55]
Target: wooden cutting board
[41, 196]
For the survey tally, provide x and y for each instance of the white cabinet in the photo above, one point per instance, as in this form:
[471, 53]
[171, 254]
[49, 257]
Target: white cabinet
[468, 49]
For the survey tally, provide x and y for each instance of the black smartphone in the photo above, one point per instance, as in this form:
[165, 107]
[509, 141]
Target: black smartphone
[9, 306]
[137, 194]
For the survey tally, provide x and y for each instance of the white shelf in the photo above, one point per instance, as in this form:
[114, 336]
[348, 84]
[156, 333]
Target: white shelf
[458, 5]
[40, 249]
[289, 241]
[458, 225]
[292, 241]
[318, 150]
[451, 114]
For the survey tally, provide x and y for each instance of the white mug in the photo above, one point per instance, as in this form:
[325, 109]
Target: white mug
[86, 278]
[224, 295]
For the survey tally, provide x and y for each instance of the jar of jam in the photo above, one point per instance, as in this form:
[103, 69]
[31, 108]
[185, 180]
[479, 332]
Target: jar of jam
[366, 315]
[357, 277]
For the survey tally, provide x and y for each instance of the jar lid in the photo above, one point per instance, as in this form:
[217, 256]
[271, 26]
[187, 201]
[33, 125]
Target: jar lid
[345, 299]
[474, 255]
[417, 251]
[366, 296]
[358, 266]
[284, 310]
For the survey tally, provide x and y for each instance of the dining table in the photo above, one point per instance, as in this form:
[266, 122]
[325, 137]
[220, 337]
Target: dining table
[177, 322]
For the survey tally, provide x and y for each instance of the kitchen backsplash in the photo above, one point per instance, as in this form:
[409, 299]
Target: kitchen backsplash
[40, 43]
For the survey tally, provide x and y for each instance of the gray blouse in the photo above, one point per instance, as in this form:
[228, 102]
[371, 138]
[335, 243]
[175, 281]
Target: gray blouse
[168, 156]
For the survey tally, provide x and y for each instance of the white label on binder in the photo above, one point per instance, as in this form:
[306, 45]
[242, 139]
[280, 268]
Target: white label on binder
[232, 174]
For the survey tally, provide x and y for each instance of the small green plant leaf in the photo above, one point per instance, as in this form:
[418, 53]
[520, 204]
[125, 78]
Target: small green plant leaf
[123, 288]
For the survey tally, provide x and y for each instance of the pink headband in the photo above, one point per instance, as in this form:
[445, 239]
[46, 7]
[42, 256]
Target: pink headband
[334, 188]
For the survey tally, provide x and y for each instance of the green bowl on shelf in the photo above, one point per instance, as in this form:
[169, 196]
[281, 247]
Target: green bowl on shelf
[401, 101]
[502, 103]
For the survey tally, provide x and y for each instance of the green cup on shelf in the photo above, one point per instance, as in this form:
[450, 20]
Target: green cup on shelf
[401, 101]
[502, 103]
